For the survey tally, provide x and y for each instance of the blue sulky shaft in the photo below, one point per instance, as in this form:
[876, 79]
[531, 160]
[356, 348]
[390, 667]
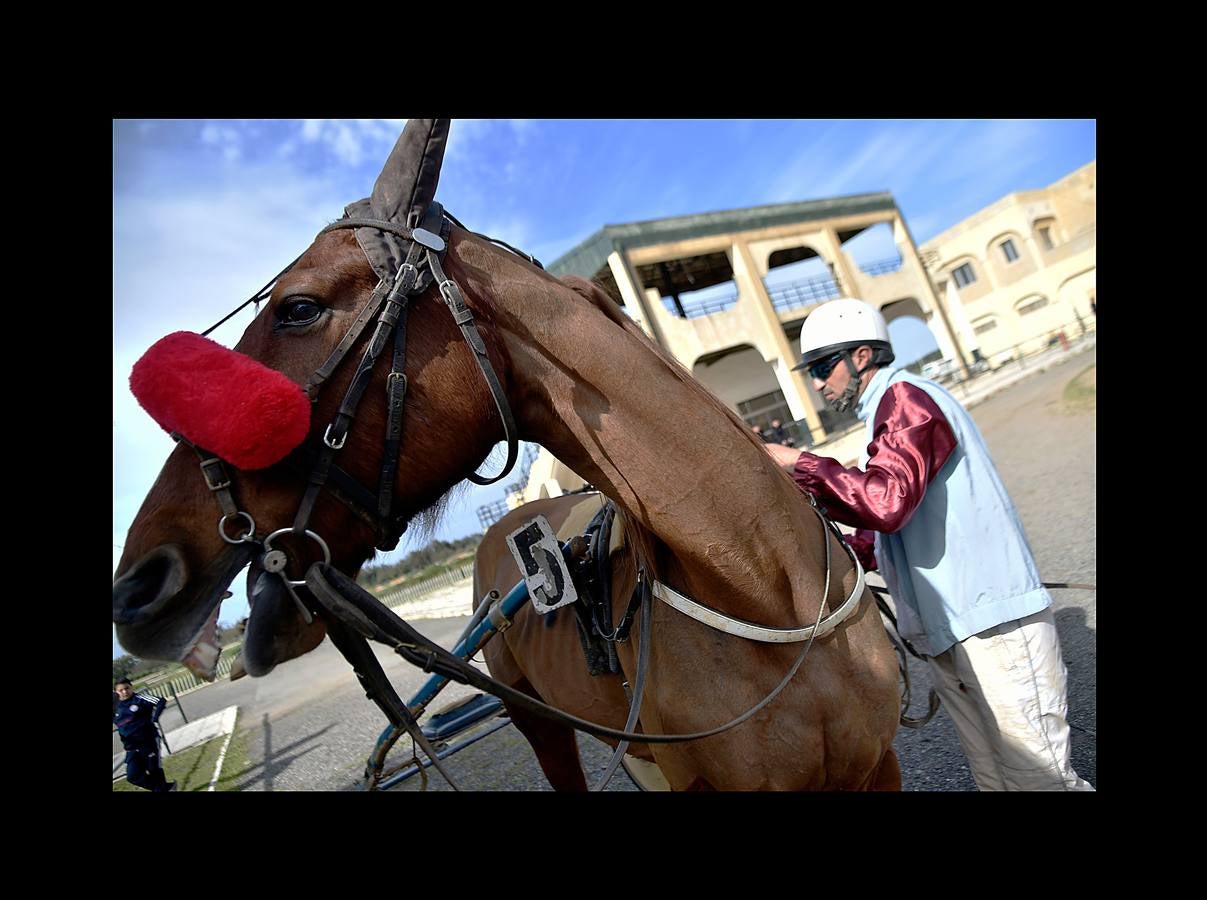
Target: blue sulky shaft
[469, 645]
[479, 630]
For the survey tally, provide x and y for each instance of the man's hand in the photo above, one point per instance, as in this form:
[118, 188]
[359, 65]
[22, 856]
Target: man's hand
[785, 457]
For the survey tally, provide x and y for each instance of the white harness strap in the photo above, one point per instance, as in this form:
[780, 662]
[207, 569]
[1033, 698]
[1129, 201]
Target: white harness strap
[753, 632]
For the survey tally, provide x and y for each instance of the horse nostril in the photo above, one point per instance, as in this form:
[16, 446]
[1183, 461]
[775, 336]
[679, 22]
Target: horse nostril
[148, 585]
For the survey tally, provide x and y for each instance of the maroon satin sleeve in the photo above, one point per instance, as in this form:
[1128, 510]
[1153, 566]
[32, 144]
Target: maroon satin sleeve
[910, 442]
[863, 542]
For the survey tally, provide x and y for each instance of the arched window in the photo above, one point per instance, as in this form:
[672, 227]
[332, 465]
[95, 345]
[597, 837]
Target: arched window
[1031, 305]
[964, 275]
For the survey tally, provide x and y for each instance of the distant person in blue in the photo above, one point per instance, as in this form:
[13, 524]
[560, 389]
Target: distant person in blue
[136, 717]
[933, 515]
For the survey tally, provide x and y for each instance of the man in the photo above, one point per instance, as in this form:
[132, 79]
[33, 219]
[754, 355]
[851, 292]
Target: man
[950, 547]
[136, 717]
[778, 434]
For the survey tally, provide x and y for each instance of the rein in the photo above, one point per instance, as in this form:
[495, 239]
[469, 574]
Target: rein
[343, 599]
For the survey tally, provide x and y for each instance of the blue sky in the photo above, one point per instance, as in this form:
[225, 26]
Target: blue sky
[206, 211]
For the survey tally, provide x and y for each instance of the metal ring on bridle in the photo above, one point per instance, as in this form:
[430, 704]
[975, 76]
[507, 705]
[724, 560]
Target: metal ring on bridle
[251, 529]
[326, 552]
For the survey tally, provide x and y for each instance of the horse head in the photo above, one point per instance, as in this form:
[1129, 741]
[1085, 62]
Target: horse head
[183, 548]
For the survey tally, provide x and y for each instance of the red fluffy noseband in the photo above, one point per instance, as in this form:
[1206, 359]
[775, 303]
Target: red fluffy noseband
[226, 402]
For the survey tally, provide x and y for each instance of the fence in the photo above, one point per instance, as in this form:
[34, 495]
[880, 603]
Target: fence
[178, 682]
[408, 593]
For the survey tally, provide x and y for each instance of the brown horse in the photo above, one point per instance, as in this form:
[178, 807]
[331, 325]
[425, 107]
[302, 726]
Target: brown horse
[706, 509]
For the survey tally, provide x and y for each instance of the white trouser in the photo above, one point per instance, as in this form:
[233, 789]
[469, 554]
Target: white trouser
[1005, 690]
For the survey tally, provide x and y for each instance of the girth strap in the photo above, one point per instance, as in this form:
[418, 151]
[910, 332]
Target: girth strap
[643, 665]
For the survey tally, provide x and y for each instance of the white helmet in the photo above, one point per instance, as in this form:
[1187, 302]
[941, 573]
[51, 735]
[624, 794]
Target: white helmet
[843, 325]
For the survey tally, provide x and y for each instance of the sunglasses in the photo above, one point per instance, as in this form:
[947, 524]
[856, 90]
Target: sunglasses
[821, 370]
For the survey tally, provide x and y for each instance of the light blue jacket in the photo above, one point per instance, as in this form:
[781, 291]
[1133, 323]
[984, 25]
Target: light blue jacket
[961, 563]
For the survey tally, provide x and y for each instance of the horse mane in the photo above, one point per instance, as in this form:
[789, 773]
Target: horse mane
[643, 541]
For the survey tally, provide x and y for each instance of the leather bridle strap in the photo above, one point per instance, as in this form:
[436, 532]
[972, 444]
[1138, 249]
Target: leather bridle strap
[323, 372]
[464, 318]
[393, 308]
[396, 392]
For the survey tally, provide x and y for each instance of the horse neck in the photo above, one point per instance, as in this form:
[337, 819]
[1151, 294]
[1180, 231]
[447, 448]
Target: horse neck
[592, 389]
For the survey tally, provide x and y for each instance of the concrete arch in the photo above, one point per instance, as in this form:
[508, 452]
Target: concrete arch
[736, 374]
[912, 307]
[903, 306]
[799, 250]
[1087, 270]
[1078, 291]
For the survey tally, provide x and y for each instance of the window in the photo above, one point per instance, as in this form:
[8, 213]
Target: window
[1008, 250]
[1032, 305]
[986, 325]
[964, 275]
[1045, 236]
[761, 410]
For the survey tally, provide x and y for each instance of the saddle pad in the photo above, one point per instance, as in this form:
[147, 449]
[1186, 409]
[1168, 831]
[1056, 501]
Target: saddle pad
[580, 517]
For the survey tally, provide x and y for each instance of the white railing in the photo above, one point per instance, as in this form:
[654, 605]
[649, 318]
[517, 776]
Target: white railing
[409, 593]
[181, 681]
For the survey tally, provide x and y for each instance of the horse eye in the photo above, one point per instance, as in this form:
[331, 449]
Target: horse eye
[298, 312]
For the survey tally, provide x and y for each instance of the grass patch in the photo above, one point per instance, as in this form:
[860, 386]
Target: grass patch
[1081, 393]
[192, 769]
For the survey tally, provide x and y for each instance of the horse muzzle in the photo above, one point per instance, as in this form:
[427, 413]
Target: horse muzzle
[163, 613]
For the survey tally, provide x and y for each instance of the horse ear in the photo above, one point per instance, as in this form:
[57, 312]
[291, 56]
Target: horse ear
[407, 183]
[402, 192]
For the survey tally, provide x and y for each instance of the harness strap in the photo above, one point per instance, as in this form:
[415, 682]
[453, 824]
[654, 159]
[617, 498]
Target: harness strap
[643, 664]
[345, 599]
[754, 632]
[390, 313]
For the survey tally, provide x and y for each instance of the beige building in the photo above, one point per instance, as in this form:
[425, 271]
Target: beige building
[1017, 273]
[1004, 281]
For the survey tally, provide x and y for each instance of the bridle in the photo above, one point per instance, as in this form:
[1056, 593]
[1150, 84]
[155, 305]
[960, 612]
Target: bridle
[387, 307]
